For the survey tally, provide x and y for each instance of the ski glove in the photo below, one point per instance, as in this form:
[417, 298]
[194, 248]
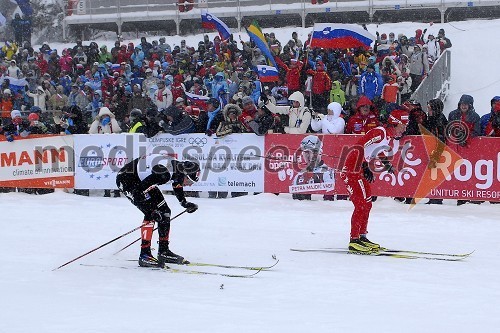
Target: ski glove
[190, 207]
[160, 217]
[367, 173]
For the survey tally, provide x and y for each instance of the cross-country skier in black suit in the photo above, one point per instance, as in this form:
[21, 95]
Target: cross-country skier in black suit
[138, 181]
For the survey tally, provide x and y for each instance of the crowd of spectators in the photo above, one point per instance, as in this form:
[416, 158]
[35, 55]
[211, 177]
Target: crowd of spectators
[213, 88]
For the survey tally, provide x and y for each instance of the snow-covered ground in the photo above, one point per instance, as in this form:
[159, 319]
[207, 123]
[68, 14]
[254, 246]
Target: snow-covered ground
[305, 292]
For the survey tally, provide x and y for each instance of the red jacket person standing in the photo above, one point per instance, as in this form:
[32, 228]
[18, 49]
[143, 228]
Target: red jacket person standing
[357, 175]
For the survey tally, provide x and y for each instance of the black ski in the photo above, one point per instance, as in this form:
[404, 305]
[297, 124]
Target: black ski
[177, 270]
[381, 254]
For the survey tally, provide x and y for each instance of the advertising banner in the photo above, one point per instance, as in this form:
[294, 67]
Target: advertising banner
[37, 162]
[231, 163]
[227, 164]
[98, 157]
[470, 172]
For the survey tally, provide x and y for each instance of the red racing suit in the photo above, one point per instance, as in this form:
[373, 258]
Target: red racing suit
[369, 147]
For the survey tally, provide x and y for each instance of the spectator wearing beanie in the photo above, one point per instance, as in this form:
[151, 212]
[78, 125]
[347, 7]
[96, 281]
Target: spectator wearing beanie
[419, 66]
[436, 123]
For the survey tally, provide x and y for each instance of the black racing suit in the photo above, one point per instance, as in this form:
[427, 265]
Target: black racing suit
[147, 197]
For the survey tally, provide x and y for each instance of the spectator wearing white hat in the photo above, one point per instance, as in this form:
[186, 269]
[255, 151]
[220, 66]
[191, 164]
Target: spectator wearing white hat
[18, 126]
[156, 68]
[105, 123]
[39, 97]
[13, 70]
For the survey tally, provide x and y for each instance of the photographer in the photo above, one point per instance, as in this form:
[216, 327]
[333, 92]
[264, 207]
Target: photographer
[263, 122]
[331, 123]
[71, 121]
[175, 121]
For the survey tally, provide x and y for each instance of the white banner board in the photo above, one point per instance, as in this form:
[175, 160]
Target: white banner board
[231, 163]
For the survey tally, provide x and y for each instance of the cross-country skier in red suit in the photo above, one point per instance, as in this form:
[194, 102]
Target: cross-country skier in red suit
[357, 176]
[139, 181]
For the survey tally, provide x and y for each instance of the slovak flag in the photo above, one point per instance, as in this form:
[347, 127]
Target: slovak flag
[267, 73]
[340, 36]
[210, 21]
[198, 100]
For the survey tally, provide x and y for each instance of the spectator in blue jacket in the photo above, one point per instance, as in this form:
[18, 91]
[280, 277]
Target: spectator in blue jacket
[138, 56]
[370, 83]
[486, 118]
[219, 85]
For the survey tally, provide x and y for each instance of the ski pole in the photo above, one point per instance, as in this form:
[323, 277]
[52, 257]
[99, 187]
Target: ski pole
[138, 239]
[103, 245]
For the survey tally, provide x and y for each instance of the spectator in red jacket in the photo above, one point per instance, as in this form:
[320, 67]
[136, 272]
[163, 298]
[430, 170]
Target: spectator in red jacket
[249, 112]
[321, 84]
[292, 74]
[365, 118]
[123, 55]
[390, 90]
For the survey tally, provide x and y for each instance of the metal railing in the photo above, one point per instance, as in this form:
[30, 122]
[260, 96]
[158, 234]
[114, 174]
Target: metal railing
[95, 7]
[437, 82]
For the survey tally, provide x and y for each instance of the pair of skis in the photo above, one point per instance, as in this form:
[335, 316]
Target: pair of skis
[176, 269]
[401, 254]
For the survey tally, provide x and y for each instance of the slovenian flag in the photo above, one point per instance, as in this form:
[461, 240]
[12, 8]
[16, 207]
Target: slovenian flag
[210, 21]
[258, 38]
[267, 73]
[340, 36]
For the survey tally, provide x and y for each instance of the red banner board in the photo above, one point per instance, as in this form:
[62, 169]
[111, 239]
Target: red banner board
[471, 172]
